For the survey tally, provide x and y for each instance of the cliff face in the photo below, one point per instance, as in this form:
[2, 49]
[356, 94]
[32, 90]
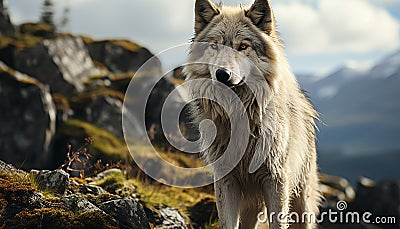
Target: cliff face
[57, 89]
[27, 118]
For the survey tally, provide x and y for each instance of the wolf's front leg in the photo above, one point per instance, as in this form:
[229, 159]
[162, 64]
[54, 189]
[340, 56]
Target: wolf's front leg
[227, 193]
[277, 199]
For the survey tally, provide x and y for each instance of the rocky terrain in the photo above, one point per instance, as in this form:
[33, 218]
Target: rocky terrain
[63, 160]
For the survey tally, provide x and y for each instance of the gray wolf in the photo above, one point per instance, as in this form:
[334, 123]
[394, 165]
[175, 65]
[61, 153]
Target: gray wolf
[277, 172]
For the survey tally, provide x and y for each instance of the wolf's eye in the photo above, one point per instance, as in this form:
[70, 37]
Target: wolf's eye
[214, 46]
[243, 47]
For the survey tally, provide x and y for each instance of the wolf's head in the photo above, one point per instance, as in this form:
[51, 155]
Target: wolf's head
[236, 43]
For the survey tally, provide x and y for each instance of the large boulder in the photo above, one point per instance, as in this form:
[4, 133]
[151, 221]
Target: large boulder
[62, 63]
[6, 27]
[119, 56]
[27, 119]
[128, 212]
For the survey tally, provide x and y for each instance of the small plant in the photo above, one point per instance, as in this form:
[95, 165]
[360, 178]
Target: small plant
[78, 161]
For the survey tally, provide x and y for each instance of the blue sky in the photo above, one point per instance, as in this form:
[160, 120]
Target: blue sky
[320, 35]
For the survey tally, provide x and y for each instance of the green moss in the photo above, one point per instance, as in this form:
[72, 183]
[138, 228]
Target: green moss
[8, 74]
[15, 192]
[115, 183]
[5, 41]
[87, 39]
[95, 219]
[21, 41]
[43, 218]
[84, 98]
[58, 218]
[33, 28]
[105, 146]
[156, 195]
[128, 45]
[112, 182]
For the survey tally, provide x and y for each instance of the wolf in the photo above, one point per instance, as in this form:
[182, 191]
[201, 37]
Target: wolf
[277, 171]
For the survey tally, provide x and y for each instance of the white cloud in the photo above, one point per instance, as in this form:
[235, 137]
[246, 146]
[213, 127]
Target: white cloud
[337, 26]
[319, 34]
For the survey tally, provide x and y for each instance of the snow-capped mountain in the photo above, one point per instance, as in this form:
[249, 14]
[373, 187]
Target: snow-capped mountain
[389, 67]
[360, 108]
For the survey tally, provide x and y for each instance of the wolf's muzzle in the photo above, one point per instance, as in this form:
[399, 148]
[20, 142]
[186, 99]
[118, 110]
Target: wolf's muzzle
[224, 76]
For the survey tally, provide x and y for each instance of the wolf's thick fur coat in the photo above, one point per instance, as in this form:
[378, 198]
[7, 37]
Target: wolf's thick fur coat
[278, 171]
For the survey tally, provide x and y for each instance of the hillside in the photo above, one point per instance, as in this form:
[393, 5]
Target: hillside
[360, 119]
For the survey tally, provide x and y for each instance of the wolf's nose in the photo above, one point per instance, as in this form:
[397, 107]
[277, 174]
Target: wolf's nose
[223, 76]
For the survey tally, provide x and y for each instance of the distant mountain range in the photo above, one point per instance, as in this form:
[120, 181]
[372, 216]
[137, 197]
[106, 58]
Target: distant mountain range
[359, 109]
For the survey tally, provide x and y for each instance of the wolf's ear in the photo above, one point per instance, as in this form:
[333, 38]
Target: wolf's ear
[204, 13]
[260, 13]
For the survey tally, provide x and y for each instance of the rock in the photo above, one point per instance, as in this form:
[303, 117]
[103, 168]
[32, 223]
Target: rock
[120, 56]
[6, 27]
[127, 212]
[104, 111]
[203, 212]
[172, 219]
[62, 63]
[4, 167]
[108, 172]
[55, 181]
[37, 201]
[78, 204]
[27, 119]
[334, 189]
[91, 189]
[381, 199]
[140, 85]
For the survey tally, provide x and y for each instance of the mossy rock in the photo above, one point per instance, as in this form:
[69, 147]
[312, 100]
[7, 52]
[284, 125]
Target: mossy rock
[38, 29]
[81, 100]
[126, 44]
[106, 146]
[115, 182]
[112, 182]
[114, 53]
